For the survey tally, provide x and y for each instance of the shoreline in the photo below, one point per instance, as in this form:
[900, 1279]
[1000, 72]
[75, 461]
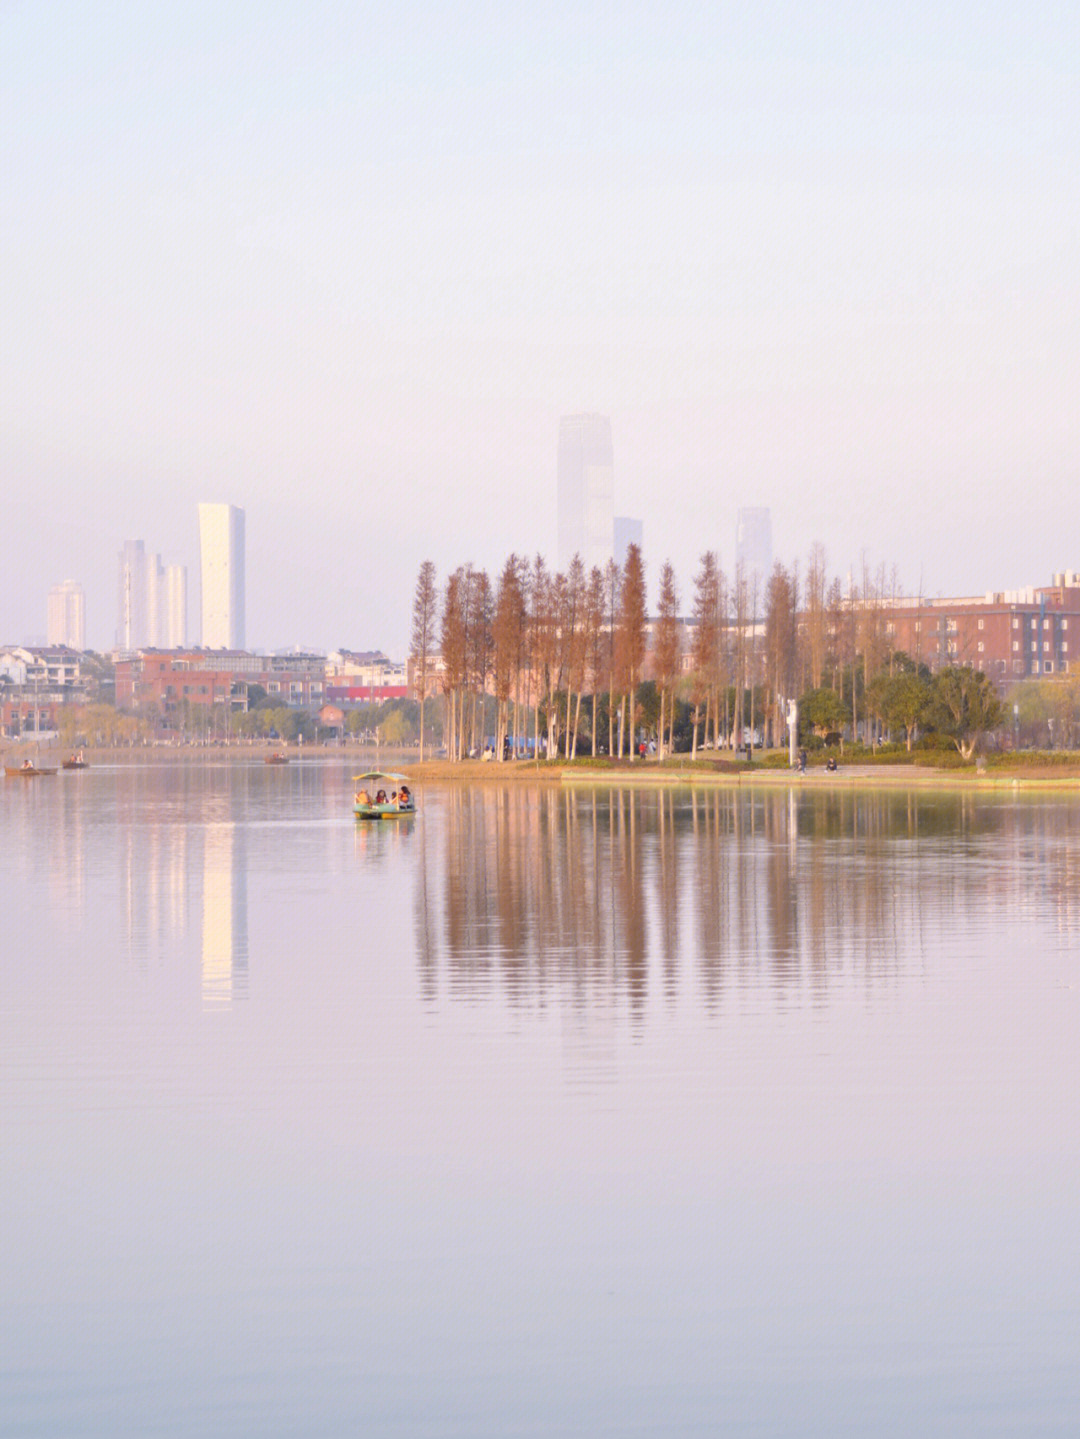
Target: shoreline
[1064, 776]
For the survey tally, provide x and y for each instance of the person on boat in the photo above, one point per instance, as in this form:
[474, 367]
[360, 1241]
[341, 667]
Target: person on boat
[404, 798]
[393, 796]
[362, 797]
[380, 796]
[28, 764]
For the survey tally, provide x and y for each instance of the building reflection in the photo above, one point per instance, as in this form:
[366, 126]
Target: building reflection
[183, 878]
[631, 896]
[224, 916]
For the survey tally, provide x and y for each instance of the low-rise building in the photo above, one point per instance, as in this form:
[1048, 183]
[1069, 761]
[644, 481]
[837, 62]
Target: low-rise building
[165, 681]
[364, 677]
[1009, 635]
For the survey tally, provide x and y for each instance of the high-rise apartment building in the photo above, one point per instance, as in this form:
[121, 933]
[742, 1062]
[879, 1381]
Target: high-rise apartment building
[66, 615]
[172, 633]
[753, 543]
[152, 601]
[586, 490]
[133, 630]
[221, 548]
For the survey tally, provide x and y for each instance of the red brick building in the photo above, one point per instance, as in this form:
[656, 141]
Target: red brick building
[163, 681]
[1008, 634]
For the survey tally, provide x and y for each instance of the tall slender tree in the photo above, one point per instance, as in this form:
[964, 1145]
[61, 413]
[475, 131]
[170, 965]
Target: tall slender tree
[666, 651]
[425, 607]
[631, 637]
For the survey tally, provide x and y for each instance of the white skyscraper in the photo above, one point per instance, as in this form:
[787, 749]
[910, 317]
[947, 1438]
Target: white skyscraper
[586, 490]
[66, 615]
[221, 547]
[173, 608]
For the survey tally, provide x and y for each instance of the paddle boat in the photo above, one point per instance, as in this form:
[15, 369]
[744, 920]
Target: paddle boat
[77, 761]
[276, 758]
[382, 795]
[27, 770]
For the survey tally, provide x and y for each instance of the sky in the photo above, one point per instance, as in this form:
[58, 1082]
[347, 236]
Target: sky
[346, 266]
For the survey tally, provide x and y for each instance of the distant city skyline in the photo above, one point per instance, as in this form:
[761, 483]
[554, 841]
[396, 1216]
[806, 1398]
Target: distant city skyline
[351, 276]
[151, 600]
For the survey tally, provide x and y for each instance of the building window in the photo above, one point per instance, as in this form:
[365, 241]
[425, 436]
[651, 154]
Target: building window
[982, 624]
[1016, 622]
[918, 626]
[1034, 644]
[1046, 646]
[1048, 667]
[1064, 624]
[1046, 624]
[1065, 647]
[1016, 644]
[981, 647]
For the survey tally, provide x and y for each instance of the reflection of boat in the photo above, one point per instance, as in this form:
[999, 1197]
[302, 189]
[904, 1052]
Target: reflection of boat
[370, 800]
[26, 770]
[77, 761]
[277, 758]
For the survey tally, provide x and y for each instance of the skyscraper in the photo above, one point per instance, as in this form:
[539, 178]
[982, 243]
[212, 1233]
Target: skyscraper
[753, 543]
[628, 531]
[132, 630]
[221, 548]
[66, 615]
[172, 634]
[585, 490]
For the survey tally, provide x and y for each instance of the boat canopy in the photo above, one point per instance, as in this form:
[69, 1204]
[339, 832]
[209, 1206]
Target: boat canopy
[381, 774]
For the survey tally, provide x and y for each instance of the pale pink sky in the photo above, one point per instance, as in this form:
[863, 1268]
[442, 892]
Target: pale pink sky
[347, 271]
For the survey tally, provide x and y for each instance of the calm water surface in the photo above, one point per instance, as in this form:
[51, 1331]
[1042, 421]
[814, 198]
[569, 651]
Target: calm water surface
[550, 1112]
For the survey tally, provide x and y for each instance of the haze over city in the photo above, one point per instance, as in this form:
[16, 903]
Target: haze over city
[347, 271]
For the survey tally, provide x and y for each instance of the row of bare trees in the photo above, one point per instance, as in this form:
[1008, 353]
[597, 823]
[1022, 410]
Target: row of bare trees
[547, 647]
[542, 643]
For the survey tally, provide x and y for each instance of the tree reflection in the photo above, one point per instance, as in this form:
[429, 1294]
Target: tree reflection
[619, 896]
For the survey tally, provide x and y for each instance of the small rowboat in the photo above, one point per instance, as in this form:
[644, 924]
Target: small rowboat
[277, 758]
[371, 799]
[77, 761]
[25, 771]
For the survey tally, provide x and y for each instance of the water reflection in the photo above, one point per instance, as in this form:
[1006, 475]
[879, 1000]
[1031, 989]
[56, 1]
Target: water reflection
[224, 916]
[621, 896]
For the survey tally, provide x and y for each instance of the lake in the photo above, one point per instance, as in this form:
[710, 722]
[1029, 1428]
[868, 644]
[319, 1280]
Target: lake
[553, 1111]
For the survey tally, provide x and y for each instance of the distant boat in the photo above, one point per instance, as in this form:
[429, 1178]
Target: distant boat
[26, 770]
[370, 801]
[276, 758]
[77, 761]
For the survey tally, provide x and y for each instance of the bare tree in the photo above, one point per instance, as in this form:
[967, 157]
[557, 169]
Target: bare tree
[667, 649]
[781, 634]
[706, 645]
[508, 638]
[595, 643]
[425, 604]
[631, 635]
[817, 624]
